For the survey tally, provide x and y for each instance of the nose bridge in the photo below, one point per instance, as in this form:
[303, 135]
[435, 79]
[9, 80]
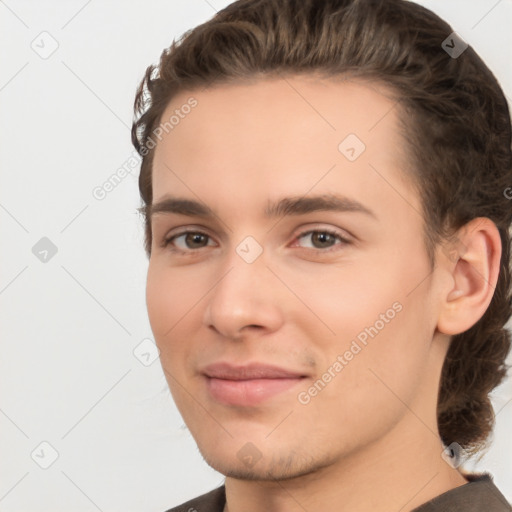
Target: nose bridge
[244, 281]
[243, 296]
[246, 263]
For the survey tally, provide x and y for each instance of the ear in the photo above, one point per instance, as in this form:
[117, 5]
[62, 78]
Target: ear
[473, 260]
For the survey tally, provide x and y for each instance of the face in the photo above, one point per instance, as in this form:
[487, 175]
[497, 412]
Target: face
[297, 292]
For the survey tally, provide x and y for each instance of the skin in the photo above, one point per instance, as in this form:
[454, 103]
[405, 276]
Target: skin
[369, 439]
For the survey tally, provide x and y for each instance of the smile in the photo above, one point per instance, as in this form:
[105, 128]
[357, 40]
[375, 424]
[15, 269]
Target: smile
[248, 385]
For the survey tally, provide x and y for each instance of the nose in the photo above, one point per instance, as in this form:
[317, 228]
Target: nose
[244, 300]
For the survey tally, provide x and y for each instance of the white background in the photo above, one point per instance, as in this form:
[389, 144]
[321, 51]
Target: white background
[68, 375]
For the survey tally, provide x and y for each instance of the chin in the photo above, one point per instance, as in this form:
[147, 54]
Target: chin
[267, 468]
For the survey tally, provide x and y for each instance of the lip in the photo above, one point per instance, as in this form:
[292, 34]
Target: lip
[248, 385]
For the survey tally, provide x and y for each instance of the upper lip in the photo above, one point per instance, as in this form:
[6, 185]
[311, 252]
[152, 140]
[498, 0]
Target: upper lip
[251, 371]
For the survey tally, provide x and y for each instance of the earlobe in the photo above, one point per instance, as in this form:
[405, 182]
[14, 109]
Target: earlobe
[474, 267]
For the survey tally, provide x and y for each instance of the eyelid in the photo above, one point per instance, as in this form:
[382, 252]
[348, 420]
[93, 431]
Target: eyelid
[166, 239]
[344, 237]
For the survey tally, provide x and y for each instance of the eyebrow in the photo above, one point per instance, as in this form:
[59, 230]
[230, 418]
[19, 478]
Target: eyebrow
[285, 206]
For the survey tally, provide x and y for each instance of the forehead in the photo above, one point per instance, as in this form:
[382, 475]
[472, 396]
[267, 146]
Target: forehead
[335, 102]
[278, 133]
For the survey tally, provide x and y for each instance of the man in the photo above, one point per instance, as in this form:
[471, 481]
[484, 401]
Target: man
[324, 186]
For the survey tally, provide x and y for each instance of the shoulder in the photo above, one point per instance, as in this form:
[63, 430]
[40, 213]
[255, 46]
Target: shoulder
[480, 493]
[212, 501]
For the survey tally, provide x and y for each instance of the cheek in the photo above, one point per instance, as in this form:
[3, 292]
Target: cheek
[168, 301]
[367, 396]
[385, 346]
[368, 292]
[170, 296]
[170, 305]
[160, 302]
[339, 302]
[376, 319]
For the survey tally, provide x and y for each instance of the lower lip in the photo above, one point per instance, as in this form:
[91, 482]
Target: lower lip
[248, 392]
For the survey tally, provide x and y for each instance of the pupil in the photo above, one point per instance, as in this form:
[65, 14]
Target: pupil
[323, 238]
[194, 238]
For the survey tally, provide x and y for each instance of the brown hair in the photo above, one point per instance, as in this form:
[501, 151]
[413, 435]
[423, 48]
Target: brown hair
[455, 123]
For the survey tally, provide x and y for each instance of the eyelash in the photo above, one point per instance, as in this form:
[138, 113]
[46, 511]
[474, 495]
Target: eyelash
[167, 241]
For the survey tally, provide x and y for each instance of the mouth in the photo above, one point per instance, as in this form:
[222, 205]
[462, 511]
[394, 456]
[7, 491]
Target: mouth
[248, 385]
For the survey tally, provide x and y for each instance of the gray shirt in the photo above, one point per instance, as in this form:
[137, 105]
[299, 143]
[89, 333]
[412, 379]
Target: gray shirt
[478, 495]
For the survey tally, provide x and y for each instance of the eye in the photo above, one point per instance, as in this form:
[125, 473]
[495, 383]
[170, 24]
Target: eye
[190, 241]
[186, 241]
[323, 239]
